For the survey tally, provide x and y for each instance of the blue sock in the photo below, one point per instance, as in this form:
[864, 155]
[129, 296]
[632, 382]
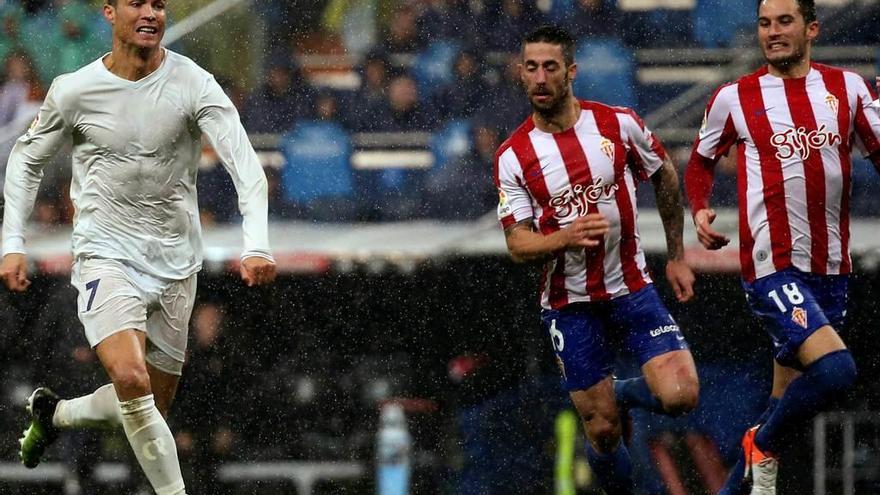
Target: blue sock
[613, 470]
[734, 484]
[812, 392]
[634, 392]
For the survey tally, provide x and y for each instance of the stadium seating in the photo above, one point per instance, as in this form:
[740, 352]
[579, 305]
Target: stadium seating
[606, 72]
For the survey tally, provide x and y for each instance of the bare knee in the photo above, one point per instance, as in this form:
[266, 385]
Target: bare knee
[130, 380]
[680, 397]
[603, 432]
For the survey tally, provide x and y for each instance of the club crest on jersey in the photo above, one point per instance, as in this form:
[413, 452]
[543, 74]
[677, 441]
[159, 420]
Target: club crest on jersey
[832, 102]
[577, 200]
[799, 316]
[503, 205]
[802, 142]
[607, 148]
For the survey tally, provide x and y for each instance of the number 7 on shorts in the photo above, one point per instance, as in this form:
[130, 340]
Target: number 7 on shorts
[93, 288]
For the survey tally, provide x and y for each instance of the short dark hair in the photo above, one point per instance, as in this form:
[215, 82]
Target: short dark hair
[553, 35]
[807, 8]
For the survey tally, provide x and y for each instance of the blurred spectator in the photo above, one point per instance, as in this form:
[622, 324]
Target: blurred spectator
[58, 344]
[464, 96]
[402, 34]
[507, 21]
[233, 91]
[21, 92]
[463, 188]
[402, 111]
[71, 43]
[218, 201]
[316, 180]
[591, 19]
[508, 107]
[276, 105]
[448, 20]
[11, 17]
[371, 95]
[212, 389]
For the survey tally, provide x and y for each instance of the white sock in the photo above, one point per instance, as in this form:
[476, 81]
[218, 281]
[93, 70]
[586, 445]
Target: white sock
[153, 444]
[100, 409]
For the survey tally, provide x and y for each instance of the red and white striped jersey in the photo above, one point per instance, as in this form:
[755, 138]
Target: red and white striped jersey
[794, 139]
[592, 167]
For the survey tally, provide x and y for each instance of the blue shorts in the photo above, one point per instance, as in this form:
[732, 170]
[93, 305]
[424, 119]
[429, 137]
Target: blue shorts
[793, 304]
[584, 335]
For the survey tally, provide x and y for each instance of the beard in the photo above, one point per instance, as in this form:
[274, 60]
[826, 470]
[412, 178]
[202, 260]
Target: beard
[785, 62]
[554, 105]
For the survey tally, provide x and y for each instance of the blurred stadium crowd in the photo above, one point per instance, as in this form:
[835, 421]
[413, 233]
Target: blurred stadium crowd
[332, 92]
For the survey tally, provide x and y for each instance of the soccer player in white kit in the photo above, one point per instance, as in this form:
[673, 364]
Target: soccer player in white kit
[136, 117]
[794, 124]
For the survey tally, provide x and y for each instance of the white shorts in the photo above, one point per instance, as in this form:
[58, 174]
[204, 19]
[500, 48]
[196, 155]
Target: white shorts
[114, 297]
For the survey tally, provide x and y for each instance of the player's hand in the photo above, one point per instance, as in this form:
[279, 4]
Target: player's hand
[256, 270]
[681, 278]
[13, 271]
[586, 231]
[709, 237]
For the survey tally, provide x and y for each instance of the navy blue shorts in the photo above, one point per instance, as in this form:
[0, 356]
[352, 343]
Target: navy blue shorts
[585, 334]
[793, 304]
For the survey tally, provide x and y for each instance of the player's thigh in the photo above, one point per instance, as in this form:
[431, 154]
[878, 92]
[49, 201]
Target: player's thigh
[832, 294]
[580, 345]
[789, 310]
[168, 326]
[648, 328]
[108, 301]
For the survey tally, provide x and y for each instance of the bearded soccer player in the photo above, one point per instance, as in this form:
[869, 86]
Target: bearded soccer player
[567, 181]
[794, 124]
[136, 117]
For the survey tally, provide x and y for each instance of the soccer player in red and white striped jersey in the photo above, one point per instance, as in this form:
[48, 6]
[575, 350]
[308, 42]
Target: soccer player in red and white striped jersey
[794, 124]
[567, 180]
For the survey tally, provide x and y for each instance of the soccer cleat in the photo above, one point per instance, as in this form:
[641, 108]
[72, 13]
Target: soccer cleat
[41, 433]
[761, 467]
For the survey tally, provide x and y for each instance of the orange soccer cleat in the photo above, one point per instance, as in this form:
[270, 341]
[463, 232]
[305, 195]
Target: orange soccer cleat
[761, 466]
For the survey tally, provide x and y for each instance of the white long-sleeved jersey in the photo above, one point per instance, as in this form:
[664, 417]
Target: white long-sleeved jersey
[136, 146]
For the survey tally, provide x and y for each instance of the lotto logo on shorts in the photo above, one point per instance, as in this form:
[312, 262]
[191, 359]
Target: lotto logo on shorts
[799, 316]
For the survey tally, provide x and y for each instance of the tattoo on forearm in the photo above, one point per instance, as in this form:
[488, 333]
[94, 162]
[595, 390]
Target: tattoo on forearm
[670, 209]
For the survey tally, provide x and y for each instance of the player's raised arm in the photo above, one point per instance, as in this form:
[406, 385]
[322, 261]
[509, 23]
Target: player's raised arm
[24, 171]
[219, 120]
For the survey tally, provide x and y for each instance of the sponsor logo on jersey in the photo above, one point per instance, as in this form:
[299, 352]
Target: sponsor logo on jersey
[799, 316]
[802, 142]
[607, 148]
[704, 125]
[832, 102]
[664, 329]
[503, 205]
[576, 200]
[32, 127]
